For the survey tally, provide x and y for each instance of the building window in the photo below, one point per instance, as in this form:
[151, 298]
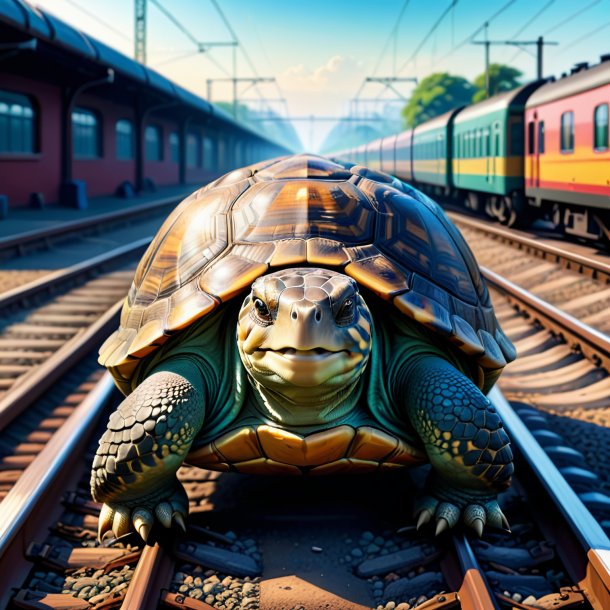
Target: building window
[567, 132]
[208, 154]
[17, 124]
[191, 151]
[600, 127]
[174, 147]
[153, 142]
[124, 140]
[86, 134]
[541, 137]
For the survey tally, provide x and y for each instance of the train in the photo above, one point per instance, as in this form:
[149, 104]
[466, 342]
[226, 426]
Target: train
[538, 151]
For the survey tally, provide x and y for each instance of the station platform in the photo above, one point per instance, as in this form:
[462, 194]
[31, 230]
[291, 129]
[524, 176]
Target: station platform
[23, 221]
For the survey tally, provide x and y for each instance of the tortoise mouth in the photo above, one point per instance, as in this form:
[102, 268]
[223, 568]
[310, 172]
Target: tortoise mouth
[309, 355]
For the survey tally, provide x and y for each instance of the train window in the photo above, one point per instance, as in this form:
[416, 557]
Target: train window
[124, 140]
[86, 134]
[516, 138]
[600, 127]
[174, 147]
[567, 132]
[17, 124]
[154, 143]
[487, 143]
[191, 151]
[541, 137]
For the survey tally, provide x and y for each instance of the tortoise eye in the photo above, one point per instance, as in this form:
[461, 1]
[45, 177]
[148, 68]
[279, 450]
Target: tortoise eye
[346, 312]
[262, 311]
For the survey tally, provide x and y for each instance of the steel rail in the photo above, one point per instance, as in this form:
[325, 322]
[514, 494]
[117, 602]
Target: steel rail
[598, 267]
[475, 592]
[36, 383]
[27, 238]
[594, 344]
[53, 280]
[152, 575]
[24, 510]
[592, 573]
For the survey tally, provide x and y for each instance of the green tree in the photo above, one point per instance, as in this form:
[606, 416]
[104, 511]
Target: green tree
[436, 94]
[501, 78]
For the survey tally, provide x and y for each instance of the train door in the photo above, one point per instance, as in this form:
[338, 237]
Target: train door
[535, 146]
[539, 151]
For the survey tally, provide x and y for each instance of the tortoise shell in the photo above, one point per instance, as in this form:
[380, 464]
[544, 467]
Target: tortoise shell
[343, 449]
[306, 210]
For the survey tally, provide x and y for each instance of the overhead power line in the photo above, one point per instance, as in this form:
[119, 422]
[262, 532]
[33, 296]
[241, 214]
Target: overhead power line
[392, 34]
[83, 10]
[578, 40]
[175, 21]
[525, 26]
[532, 19]
[471, 36]
[573, 16]
[202, 47]
[427, 36]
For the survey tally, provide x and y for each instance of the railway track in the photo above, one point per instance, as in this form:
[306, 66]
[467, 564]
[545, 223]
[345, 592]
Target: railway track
[330, 543]
[42, 239]
[572, 278]
[348, 543]
[51, 330]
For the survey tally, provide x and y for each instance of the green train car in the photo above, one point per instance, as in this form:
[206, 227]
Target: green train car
[432, 151]
[487, 163]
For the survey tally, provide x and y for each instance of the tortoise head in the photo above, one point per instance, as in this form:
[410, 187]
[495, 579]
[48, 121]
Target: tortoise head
[304, 335]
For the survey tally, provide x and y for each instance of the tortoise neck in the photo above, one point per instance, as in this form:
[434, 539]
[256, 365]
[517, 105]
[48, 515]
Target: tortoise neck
[308, 406]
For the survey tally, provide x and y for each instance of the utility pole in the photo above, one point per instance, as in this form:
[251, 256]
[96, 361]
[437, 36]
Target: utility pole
[539, 42]
[140, 31]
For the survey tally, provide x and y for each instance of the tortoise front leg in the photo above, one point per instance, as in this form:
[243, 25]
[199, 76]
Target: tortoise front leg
[146, 441]
[468, 448]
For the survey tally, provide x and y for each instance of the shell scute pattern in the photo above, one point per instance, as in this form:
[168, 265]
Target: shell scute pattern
[292, 209]
[342, 449]
[306, 210]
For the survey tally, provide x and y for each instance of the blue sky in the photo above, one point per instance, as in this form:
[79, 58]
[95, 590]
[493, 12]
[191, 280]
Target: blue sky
[321, 51]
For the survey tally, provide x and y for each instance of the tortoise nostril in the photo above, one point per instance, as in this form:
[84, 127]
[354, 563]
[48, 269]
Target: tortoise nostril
[293, 315]
[318, 315]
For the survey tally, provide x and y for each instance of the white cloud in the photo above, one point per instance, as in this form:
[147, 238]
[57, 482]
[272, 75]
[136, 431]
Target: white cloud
[336, 72]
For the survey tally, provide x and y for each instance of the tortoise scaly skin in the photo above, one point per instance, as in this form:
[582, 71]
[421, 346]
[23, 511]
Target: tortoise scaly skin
[366, 342]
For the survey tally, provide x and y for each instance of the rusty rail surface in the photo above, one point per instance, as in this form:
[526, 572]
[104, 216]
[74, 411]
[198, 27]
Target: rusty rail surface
[19, 398]
[53, 281]
[573, 260]
[25, 511]
[594, 344]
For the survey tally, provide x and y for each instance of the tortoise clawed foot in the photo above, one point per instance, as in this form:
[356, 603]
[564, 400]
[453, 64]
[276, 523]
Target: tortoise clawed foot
[445, 509]
[477, 516]
[166, 507]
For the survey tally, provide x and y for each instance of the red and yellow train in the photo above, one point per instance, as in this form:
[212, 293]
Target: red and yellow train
[541, 150]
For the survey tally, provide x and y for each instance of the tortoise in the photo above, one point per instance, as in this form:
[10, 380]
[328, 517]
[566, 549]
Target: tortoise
[363, 340]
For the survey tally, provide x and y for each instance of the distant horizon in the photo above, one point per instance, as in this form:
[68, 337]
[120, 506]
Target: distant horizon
[321, 53]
